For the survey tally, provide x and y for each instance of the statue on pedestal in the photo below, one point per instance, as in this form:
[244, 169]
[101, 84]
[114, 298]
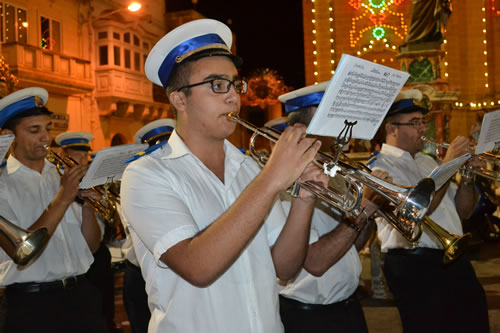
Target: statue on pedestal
[428, 21]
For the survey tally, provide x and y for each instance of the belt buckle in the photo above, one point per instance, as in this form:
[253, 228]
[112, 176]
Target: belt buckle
[64, 282]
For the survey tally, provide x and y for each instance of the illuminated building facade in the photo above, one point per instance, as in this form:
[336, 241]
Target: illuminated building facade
[90, 56]
[462, 77]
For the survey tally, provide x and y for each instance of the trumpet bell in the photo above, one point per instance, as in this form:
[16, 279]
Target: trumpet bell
[453, 245]
[26, 244]
[30, 246]
[417, 201]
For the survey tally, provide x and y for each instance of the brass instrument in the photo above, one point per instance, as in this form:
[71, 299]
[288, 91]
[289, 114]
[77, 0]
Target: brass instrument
[106, 207]
[453, 245]
[412, 203]
[487, 157]
[27, 244]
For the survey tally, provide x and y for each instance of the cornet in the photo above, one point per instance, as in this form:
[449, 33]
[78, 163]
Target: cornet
[106, 207]
[27, 244]
[487, 157]
[412, 203]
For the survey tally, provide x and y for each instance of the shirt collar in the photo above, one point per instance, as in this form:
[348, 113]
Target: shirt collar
[13, 164]
[395, 151]
[178, 149]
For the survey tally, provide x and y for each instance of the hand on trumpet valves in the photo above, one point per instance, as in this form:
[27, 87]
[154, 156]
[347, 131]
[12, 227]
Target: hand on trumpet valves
[70, 182]
[83, 194]
[372, 200]
[291, 154]
[459, 146]
[314, 174]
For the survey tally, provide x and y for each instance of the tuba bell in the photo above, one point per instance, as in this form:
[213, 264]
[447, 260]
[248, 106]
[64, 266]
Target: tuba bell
[26, 244]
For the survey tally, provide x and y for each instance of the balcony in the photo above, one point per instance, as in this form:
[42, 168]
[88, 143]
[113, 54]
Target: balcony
[42, 68]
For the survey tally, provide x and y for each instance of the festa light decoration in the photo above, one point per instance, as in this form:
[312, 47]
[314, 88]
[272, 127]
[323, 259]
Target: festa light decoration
[378, 12]
[264, 87]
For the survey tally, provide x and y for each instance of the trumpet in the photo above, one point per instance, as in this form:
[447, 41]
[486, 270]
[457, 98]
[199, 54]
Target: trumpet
[412, 203]
[106, 207]
[27, 244]
[487, 157]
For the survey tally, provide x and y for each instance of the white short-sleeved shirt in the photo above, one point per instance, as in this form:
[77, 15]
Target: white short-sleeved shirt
[169, 196]
[339, 281]
[408, 171]
[24, 196]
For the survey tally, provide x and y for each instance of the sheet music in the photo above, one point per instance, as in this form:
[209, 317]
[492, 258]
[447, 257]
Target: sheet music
[360, 91]
[442, 173]
[109, 164]
[489, 138]
[5, 142]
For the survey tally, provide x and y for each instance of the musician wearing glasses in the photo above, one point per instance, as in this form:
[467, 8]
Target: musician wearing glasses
[52, 289]
[203, 216]
[322, 297]
[430, 296]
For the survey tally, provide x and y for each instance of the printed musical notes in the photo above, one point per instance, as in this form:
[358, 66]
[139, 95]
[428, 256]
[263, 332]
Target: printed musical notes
[359, 91]
[489, 138]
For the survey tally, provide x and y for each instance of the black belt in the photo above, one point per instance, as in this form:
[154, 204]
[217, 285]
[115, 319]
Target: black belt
[418, 251]
[36, 287]
[291, 303]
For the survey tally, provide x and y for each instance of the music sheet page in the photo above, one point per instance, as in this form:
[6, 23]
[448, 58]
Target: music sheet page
[5, 142]
[442, 173]
[109, 164]
[360, 91]
[489, 138]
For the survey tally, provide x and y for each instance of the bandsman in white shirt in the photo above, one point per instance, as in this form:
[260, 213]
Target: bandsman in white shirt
[430, 296]
[135, 298]
[52, 289]
[203, 216]
[322, 298]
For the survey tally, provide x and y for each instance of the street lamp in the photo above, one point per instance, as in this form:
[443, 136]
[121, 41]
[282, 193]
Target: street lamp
[134, 6]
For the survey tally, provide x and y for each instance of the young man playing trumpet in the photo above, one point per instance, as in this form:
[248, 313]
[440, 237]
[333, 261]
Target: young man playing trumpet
[52, 290]
[431, 296]
[322, 297]
[202, 215]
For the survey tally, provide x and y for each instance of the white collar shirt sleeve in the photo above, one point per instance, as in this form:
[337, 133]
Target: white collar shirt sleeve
[339, 281]
[24, 196]
[169, 196]
[408, 171]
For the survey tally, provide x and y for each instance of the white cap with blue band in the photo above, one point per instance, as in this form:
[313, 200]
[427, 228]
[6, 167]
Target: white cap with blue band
[154, 130]
[20, 101]
[303, 97]
[74, 140]
[184, 42]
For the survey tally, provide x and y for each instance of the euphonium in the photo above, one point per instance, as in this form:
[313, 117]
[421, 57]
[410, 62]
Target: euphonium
[106, 207]
[27, 244]
[487, 157]
[412, 203]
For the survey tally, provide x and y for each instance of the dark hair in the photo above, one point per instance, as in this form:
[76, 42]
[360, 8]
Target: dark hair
[179, 77]
[12, 123]
[301, 116]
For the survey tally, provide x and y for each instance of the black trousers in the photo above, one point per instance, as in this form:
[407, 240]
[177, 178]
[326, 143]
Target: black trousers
[75, 310]
[341, 317]
[433, 297]
[101, 276]
[135, 299]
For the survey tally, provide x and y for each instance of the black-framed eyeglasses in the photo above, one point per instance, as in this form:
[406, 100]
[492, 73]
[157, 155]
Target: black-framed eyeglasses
[414, 123]
[222, 86]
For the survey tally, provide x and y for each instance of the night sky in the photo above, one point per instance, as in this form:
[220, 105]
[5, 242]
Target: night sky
[269, 33]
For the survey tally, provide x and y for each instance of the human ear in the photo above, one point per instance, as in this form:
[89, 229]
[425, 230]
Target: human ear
[390, 129]
[178, 100]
